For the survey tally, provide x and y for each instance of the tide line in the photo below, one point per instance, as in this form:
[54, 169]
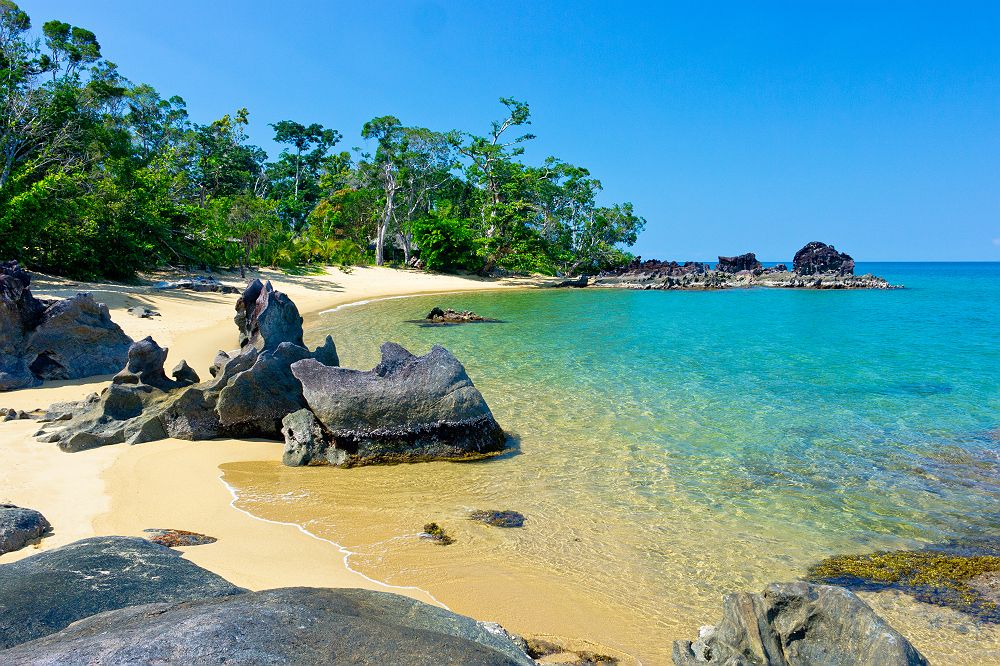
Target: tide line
[343, 551]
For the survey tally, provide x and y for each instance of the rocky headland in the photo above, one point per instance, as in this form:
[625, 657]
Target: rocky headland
[406, 409]
[815, 266]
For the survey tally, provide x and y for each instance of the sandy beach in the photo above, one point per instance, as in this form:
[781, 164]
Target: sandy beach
[121, 490]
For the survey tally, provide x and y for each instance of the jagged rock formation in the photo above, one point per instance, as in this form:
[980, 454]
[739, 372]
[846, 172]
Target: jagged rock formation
[284, 626]
[817, 266]
[19, 526]
[63, 339]
[44, 593]
[816, 258]
[798, 624]
[407, 408]
[738, 264]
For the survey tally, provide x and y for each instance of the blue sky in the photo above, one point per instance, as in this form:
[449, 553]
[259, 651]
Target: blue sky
[750, 126]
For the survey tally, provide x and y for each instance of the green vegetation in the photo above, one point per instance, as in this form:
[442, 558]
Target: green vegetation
[931, 576]
[101, 177]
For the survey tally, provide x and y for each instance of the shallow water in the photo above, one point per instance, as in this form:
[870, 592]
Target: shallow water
[675, 446]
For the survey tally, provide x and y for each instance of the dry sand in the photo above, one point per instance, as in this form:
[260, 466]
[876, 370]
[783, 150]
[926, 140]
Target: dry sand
[122, 490]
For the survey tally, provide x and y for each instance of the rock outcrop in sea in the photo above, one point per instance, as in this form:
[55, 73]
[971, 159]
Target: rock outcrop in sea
[53, 339]
[408, 408]
[816, 266]
[798, 624]
[118, 600]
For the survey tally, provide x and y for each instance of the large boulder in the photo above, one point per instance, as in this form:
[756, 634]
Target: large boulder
[45, 593]
[738, 264]
[407, 408]
[798, 624]
[64, 339]
[266, 317]
[283, 626]
[817, 258]
[19, 526]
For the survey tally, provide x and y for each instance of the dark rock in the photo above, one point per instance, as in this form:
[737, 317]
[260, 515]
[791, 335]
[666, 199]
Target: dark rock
[304, 440]
[577, 282]
[44, 593]
[184, 374]
[19, 526]
[143, 312]
[266, 318]
[326, 353]
[498, 518]
[818, 257]
[198, 283]
[798, 624]
[406, 409]
[255, 400]
[289, 625]
[219, 361]
[175, 538]
[449, 316]
[145, 366]
[738, 264]
[777, 268]
[434, 532]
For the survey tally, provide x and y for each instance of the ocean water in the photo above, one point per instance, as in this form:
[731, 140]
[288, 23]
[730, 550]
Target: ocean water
[675, 446]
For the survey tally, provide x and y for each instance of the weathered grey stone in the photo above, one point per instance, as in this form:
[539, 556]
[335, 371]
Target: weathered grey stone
[798, 624]
[143, 312]
[184, 374]
[197, 283]
[326, 353]
[289, 625]
[408, 408]
[144, 365]
[266, 318]
[19, 526]
[303, 438]
[44, 593]
[255, 400]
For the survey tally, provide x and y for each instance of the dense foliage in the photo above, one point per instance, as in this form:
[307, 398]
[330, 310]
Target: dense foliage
[102, 177]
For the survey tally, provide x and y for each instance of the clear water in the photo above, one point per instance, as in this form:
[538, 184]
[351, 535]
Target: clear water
[675, 446]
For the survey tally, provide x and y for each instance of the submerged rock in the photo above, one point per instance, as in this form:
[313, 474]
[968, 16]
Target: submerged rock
[434, 532]
[64, 339]
[449, 316]
[964, 577]
[498, 518]
[290, 625]
[408, 408]
[816, 257]
[798, 624]
[44, 593]
[19, 526]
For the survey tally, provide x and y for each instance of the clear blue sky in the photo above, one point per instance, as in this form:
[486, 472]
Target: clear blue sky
[731, 126]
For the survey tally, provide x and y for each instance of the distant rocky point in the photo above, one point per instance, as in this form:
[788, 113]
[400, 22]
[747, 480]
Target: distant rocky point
[816, 266]
[53, 339]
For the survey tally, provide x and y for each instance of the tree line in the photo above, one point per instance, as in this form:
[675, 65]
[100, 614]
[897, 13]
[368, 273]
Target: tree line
[102, 177]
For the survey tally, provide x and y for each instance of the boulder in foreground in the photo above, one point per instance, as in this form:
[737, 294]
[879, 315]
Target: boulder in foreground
[19, 526]
[408, 408]
[798, 624]
[44, 593]
[289, 625]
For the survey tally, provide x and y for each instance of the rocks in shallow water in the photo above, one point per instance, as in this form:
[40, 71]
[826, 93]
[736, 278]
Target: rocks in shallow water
[498, 518]
[738, 264]
[816, 257]
[449, 316]
[19, 526]
[958, 576]
[289, 625]
[798, 624]
[65, 339]
[44, 593]
[436, 533]
[408, 408]
[197, 283]
[304, 440]
[174, 538]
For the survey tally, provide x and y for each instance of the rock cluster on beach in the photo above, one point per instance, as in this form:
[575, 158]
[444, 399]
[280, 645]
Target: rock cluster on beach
[407, 408]
[61, 339]
[197, 283]
[798, 624]
[815, 266]
[118, 600]
[19, 526]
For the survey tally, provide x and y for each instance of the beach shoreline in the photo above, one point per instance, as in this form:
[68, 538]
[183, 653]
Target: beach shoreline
[121, 490]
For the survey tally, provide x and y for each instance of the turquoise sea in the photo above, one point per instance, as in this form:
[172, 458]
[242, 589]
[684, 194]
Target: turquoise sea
[674, 446]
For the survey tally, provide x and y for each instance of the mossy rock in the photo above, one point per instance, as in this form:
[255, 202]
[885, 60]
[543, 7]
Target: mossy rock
[436, 533]
[950, 576]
